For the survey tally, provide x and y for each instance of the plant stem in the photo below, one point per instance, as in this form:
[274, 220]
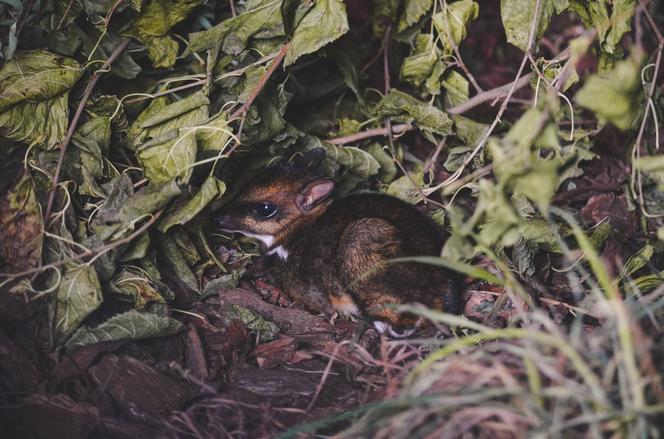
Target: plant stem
[74, 122]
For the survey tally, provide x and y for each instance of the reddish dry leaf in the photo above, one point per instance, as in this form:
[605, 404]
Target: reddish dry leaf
[275, 352]
[20, 227]
[271, 294]
[613, 209]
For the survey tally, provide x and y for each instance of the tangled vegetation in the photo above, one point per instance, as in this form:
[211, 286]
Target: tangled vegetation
[529, 129]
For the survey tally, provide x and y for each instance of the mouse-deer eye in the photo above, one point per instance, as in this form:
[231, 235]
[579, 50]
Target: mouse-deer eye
[265, 210]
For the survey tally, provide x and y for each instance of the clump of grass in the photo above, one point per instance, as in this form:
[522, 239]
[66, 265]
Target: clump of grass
[532, 381]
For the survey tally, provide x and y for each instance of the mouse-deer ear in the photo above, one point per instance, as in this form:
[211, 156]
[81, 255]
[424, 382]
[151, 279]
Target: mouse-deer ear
[314, 193]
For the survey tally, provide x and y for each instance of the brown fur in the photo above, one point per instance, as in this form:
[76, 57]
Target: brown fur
[339, 252]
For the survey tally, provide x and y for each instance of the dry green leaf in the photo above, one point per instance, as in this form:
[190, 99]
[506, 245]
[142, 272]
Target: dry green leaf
[452, 21]
[264, 330]
[213, 136]
[616, 97]
[457, 87]
[170, 156]
[160, 117]
[122, 209]
[233, 34]
[385, 12]
[388, 170]
[78, 294]
[622, 12]
[402, 107]
[407, 187]
[355, 159]
[177, 261]
[518, 17]
[413, 11]
[637, 261]
[85, 162]
[135, 283]
[325, 22]
[226, 281]
[131, 325]
[33, 98]
[152, 25]
[211, 189]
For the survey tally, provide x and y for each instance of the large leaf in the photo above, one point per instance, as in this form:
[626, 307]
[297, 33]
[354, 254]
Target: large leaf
[355, 159]
[173, 130]
[593, 14]
[131, 325]
[403, 107]
[413, 11]
[98, 45]
[233, 34]
[169, 156]
[495, 217]
[384, 13]
[407, 187]
[610, 28]
[324, 23]
[616, 97]
[457, 87]
[518, 16]
[154, 22]
[85, 161]
[211, 189]
[422, 62]
[76, 289]
[213, 135]
[177, 261]
[224, 282]
[388, 170]
[622, 12]
[517, 159]
[451, 22]
[161, 117]
[78, 294]
[33, 99]
[122, 209]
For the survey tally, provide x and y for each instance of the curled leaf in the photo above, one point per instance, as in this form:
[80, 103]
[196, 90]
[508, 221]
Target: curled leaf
[136, 284]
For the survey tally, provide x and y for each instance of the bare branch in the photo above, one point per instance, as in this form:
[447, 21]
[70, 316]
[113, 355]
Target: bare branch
[261, 83]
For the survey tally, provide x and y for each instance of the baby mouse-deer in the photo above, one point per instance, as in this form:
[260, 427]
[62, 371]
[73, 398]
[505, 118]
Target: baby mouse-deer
[334, 255]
